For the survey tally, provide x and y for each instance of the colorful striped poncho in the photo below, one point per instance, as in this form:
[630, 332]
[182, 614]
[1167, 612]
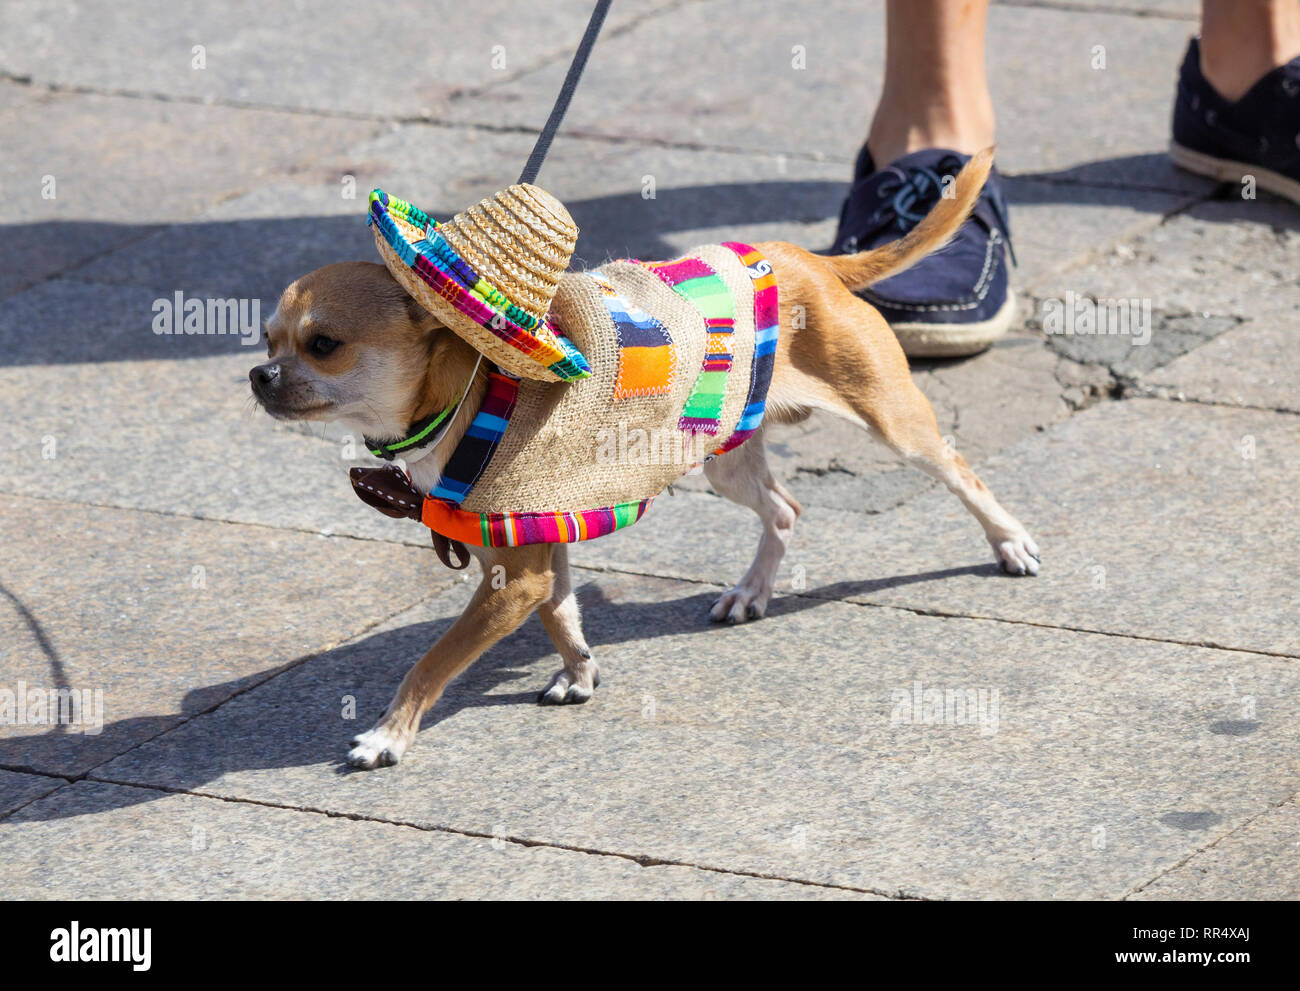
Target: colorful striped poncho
[681, 355]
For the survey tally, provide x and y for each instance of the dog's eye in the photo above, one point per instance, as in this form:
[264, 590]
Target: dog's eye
[320, 345]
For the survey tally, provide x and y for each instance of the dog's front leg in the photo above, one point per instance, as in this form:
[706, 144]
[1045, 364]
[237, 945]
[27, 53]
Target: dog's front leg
[744, 477]
[574, 682]
[516, 580]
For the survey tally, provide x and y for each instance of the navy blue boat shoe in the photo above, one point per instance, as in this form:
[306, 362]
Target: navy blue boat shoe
[1258, 136]
[955, 302]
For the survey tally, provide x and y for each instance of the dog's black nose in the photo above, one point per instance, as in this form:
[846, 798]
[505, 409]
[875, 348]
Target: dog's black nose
[265, 376]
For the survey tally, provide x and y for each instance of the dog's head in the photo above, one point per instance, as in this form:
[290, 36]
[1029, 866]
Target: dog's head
[347, 343]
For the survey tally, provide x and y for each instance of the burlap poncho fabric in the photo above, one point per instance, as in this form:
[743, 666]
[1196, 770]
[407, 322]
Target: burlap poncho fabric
[578, 447]
[681, 355]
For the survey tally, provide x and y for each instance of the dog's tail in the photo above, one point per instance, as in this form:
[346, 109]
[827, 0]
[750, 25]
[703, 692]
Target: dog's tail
[937, 229]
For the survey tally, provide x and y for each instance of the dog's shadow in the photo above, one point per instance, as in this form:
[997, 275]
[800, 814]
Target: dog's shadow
[303, 715]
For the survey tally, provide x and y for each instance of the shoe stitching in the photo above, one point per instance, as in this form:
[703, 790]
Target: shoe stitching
[982, 286]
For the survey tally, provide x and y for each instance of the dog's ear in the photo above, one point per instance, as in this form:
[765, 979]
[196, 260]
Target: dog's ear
[421, 318]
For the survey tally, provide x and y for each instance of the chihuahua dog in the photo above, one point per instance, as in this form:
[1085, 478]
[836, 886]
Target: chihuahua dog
[347, 344]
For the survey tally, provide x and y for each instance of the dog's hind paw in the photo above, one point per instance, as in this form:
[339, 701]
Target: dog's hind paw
[740, 604]
[1018, 555]
[568, 689]
[378, 747]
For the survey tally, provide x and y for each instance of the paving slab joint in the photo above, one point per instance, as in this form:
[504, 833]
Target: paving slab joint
[1271, 807]
[65, 781]
[642, 860]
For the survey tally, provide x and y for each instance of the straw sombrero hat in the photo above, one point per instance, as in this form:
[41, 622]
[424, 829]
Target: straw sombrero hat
[489, 274]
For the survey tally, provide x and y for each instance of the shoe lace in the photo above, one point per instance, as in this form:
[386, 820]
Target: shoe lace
[912, 192]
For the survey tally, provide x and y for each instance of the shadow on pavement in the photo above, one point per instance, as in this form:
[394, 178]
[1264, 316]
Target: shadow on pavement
[90, 287]
[294, 719]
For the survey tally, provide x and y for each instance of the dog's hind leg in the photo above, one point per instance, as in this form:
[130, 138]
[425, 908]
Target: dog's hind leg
[516, 580]
[907, 425]
[844, 359]
[870, 385]
[559, 614]
[743, 476]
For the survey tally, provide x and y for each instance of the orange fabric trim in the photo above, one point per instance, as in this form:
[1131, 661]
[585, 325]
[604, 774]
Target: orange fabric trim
[452, 523]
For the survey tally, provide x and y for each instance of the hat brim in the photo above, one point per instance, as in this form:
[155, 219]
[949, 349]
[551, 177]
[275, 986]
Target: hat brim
[446, 285]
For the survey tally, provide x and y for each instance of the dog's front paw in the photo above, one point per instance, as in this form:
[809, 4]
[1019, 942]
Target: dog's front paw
[744, 602]
[571, 688]
[382, 746]
[1018, 554]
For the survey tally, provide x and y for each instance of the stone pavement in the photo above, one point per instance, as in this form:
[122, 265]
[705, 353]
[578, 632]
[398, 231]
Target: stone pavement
[198, 563]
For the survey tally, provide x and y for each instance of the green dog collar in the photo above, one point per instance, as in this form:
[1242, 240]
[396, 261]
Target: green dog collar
[419, 432]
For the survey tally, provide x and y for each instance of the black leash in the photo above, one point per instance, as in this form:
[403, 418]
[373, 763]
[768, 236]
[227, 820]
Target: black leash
[579, 63]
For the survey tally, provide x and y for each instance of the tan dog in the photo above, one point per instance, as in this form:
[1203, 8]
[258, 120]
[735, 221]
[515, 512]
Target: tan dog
[347, 344]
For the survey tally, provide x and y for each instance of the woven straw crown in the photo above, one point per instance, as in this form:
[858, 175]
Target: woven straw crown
[489, 274]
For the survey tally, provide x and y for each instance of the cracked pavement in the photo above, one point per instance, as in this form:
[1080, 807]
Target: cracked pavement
[210, 573]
